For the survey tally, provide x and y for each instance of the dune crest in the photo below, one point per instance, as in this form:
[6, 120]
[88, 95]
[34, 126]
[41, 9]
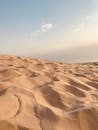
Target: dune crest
[44, 95]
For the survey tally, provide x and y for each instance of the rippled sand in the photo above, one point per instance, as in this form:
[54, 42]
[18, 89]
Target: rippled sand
[44, 95]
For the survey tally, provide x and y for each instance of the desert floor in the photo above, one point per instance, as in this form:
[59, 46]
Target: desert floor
[45, 95]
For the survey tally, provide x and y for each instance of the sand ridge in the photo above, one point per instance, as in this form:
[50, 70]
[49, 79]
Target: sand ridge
[45, 95]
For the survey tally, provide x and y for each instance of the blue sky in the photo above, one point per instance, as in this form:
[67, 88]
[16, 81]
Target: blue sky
[37, 27]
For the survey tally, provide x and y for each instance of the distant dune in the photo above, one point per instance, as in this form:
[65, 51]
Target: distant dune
[44, 95]
[74, 55]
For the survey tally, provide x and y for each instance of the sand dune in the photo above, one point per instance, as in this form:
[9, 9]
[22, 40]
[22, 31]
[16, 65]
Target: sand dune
[44, 95]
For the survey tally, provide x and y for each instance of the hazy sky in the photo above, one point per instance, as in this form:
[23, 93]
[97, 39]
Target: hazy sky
[39, 28]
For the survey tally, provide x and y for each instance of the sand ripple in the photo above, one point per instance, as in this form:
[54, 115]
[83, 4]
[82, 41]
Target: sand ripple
[44, 95]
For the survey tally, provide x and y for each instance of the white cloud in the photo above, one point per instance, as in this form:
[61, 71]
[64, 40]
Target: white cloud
[46, 27]
[38, 32]
[85, 31]
[79, 27]
[89, 22]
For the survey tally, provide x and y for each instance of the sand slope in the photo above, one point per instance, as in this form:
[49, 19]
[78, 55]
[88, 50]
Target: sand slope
[43, 95]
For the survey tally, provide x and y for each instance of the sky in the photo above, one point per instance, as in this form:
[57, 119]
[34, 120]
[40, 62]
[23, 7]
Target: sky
[62, 30]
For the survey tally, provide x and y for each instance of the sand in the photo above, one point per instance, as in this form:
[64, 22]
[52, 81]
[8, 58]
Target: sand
[45, 95]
